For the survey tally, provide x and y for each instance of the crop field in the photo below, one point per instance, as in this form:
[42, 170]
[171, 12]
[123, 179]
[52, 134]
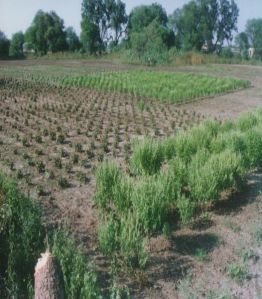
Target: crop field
[107, 152]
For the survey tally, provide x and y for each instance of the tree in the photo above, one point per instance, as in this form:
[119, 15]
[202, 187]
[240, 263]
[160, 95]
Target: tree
[16, 45]
[254, 33]
[118, 20]
[4, 45]
[204, 21]
[141, 16]
[72, 40]
[148, 34]
[46, 33]
[241, 41]
[102, 21]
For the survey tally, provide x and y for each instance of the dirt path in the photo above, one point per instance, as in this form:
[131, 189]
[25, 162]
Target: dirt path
[230, 105]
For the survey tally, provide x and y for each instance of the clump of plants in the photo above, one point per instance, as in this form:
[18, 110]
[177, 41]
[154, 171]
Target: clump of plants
[175, 176]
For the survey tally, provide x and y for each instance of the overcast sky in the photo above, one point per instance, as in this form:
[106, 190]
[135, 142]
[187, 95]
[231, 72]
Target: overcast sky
[17, 15]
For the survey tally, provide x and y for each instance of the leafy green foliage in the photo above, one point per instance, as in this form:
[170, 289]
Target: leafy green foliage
[210, 175]
[107, 177]
[176, 87]
[4, 45]
[21, 236]
[198, 22]
[46, 33]
[147, 157]
[16, 45]
[78, 273]
[182, 173]
[186, 208]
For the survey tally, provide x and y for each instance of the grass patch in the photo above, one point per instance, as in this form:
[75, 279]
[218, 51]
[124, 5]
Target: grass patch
[184, 174]
[238, 272]
[22, 239]
[163, 86]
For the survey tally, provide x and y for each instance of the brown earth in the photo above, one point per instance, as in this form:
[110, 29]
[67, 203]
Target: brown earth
[193, 262]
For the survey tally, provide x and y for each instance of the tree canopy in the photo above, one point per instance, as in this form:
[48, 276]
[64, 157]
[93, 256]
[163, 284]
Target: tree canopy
[4, 45]
[254, 33]
[205, 21]
[47, 33]
[102, 21]
[16, 45]
[72, 40]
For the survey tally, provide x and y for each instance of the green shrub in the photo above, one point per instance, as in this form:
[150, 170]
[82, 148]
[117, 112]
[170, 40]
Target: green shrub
[210, 175]
[63, 183]
[147, 157]
[247, 121]
[169, 147]
[108, 236]
[150, 203]
[122, 193]
[21, 239]
[131, 241]
[199, 137]
[254, 147]
[186, 208]
[108, 176]
[79, 274]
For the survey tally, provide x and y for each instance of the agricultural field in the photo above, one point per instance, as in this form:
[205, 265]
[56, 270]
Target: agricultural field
[144, 168]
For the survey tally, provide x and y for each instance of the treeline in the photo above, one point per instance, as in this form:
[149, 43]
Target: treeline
[147, 32]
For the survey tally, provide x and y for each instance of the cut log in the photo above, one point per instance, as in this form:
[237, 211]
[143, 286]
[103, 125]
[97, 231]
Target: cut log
[48, 278]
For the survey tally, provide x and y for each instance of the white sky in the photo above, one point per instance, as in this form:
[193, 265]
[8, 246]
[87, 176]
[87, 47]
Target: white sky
[16, 15]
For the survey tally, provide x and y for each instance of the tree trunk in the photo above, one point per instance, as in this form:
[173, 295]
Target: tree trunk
[48, 278]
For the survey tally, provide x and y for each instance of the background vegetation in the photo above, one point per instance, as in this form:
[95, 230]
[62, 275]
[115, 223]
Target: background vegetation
[147, 35]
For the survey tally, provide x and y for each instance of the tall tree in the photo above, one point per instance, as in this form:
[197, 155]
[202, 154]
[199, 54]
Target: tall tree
[254, 33]
[46, 33]
[102, 21]
[241, 40]
[72, 40]
[118, 20]
[141, 16]
[4, 45]
[16, 45]
[205, 21]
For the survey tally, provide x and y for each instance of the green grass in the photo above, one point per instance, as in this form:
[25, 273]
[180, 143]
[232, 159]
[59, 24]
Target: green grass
[163, 86]
[238, 272]
[172, 87]
[22, 239]
[180, 174]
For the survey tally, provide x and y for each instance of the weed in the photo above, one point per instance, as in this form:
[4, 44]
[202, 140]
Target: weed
[201, 254]
[40, 166]
[63, 183]
[147, 157]
[186, 208]
[238, 272]
[234, 227]
[107, 177]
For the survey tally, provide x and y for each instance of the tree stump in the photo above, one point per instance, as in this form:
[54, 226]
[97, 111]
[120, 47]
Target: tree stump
[48, 278]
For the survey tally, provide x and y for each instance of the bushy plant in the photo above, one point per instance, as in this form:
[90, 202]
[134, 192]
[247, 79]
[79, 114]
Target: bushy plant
[21, 236]
[108, 236]
[247, 121]
[108, 175]
[210, 174]
[79, 274]
[150, 203]
[186, 208]
[199, 137]
[131, 241]
[253, 140]
[147, 157]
